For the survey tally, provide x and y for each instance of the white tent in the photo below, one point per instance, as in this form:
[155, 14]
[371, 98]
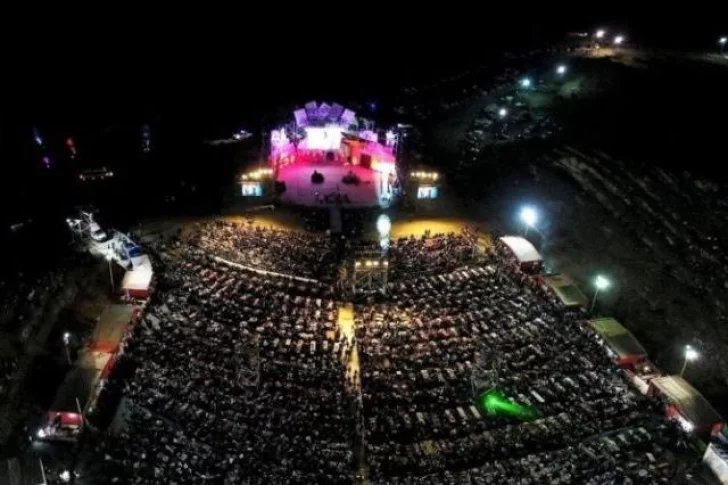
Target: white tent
[522, 249]
[136, 281]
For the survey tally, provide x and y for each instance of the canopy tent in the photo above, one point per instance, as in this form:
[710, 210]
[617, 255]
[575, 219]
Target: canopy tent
[525, 253]
[566, 290]
[137, 280]
[621, 342]
[691, 405]
[717, 461]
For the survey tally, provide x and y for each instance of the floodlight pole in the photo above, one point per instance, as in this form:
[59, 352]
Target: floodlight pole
[68, 353]
[594, 301]
[42, 471]
[111, 275]
[685, 365]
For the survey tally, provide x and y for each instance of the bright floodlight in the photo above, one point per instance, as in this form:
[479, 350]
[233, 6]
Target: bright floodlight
[618, 40]
[561, 69]
[529, 216]
[601, 283]
[600, 33]
[384, 225]
[525, 82]
[690, 353]
[502, 112]
[723, 40]
[41, 433]
[66, 337]
[108, 256]
[65, 476]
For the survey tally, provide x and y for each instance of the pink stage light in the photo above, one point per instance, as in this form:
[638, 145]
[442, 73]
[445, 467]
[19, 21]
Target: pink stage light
[369, 136]
[278, 138]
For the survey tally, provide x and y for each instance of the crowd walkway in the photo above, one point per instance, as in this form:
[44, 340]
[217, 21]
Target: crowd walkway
[351, 361]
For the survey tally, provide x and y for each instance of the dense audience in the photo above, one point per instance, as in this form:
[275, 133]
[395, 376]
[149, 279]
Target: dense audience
[243, 377]
[238, 377]
[302, 254]
[440, 341]
[429, 254]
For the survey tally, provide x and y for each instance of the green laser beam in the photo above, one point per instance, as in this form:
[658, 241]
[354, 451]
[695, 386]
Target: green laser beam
[496, 404]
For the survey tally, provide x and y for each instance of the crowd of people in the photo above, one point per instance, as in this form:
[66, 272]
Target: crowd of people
[428, 254]
[243, 377]
[303, 254]
[238, 379]
[440, 341]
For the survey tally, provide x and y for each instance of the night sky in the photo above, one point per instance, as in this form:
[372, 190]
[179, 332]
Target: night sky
[196, 80]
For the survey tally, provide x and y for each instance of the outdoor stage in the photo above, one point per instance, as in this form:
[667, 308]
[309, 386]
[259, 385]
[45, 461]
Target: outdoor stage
[373, 189]
[334, 142]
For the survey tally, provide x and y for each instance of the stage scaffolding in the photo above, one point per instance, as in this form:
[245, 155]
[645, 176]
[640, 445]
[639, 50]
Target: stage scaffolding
[370, 271]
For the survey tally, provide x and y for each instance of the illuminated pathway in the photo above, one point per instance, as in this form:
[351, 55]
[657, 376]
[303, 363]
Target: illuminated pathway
[346, 331]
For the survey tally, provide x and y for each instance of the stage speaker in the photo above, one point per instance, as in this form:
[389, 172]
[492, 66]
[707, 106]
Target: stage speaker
[365, 160]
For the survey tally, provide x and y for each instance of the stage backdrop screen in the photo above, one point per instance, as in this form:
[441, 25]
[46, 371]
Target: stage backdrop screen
[323, 138]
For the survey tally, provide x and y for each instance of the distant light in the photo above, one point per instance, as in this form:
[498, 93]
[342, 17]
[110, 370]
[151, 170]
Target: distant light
[37, 137]
[502, 112]
[529, 216]
[723, 40]
[601, 283]
[65, 475]
[66, 337]
[618, 40]
[525, 82]
[41, 433]
[384, 225]
[561, 69]
[600, 33]
[109, 257]
[690, 353]
[687, 426]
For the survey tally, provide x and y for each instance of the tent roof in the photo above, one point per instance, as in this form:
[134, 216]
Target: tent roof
[566, 290]
[689, 401]
[617, 337]
[141, 261]
[139, 277]
[522, 249]
[136, 280]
